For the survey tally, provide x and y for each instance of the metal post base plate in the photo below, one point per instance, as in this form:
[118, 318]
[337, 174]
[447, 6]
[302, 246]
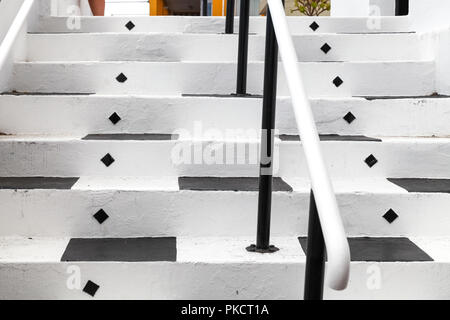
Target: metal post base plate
[253, 248]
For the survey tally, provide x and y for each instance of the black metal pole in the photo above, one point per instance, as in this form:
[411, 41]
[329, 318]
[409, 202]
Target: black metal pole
[267, 141]
[229, 20]
[315, 255]
[204, 7]
[401, 7]
[244, 18]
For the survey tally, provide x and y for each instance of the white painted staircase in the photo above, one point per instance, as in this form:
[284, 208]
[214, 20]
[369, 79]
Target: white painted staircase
[94, 207]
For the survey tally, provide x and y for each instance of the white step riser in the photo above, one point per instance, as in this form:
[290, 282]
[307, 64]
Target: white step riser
[217, 24]
[63, 213]
[397, 158]
[190, 47]
[360, 79]
[195, 281]
[81, 115]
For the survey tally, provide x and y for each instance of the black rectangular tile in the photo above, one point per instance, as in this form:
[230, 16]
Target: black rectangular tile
[422, 184]
[431, 96]
[330, 137]
[228, 184]
[37, 183]
[16, 93]
[381, 249]
[215, 95]
[121, 249]
[131, 137]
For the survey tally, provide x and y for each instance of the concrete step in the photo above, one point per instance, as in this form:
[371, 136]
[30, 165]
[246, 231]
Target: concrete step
[194, 268]
[221, 47]
[216, 155]
[84, 114]
[209, 207]
[332, 79]
[217, 24]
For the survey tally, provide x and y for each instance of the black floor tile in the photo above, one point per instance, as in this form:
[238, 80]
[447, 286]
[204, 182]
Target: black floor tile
[215, 95]
[121, 249]
[37, 183]
[330, 137]
[382, 249]
[228, 184]
[130, 137]
[423, 185]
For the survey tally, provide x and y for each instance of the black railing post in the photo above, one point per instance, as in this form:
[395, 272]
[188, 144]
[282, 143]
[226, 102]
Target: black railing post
[401, 7]
[204, 4]
[267, 141]
[244, 18]
[229, 20]
[315, 255]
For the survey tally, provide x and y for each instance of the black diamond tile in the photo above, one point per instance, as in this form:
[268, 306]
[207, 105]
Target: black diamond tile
[338, 82]
[390, 216]
[325, 48]
[101, 216]
[115, 118]
[107, 160]
[314, 26]
[121, 78]
[371, 160]
[349, 117]
[91, 288]
[130, 25]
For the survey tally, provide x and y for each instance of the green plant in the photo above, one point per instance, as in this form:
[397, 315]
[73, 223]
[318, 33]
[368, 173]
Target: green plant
[312, 7]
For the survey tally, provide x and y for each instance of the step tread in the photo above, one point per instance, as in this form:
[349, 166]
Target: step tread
[212, 250]
[170, 184]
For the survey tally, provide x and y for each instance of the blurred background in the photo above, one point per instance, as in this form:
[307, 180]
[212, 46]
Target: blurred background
[189, 7]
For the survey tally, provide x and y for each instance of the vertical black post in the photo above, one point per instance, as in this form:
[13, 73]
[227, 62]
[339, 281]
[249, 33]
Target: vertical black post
[204, 7]
[244, 17]
[401, 7]
[315, 255]
[229, 20]
[267, 141]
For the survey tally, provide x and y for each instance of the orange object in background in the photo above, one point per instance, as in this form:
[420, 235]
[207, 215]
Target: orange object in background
[159, 7]
[219, 7]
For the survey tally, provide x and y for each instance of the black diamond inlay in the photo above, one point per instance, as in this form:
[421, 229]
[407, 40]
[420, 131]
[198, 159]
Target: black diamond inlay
[130, 25]
[121, 78]
[338, 82]
[101, 216]
[314, 26]
[371, 160]
[390, 216]
[325, 48]
[91, 288]
[115, 118]
[349, 117]
[108, 160]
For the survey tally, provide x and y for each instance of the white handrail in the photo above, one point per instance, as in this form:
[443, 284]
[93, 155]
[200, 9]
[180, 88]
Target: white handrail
[338, 252]
[14, 30]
